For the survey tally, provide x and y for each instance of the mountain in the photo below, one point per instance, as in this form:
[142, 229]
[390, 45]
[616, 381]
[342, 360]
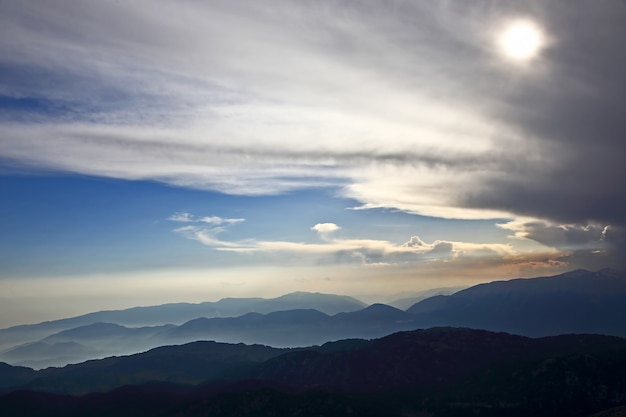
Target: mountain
[294, 327]
[82, 343]
[42, 354]
[326, 303]
[14, 375]
[436, 372]
[282, 328]
[408, 300]
[576, 302]
[377, 312]
[418, 359]
[579, 301]
[179, 313]
[291, 328]
[192, 363]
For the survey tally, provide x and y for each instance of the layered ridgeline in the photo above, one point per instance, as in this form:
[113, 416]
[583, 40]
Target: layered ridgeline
[576, 302]
[436, 372]
[280, 329]
[102, 333]
[178, 313]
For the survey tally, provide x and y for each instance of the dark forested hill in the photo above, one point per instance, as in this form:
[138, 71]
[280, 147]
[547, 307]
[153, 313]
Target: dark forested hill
[438, 372]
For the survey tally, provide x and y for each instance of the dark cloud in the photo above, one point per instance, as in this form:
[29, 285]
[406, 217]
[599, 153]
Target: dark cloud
[574, 116]
[575, 119]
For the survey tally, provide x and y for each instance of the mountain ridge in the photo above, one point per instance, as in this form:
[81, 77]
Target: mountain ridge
[578, 301]
[439, 372]
[178, 313]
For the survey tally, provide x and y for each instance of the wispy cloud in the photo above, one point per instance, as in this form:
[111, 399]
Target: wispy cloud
[218, 220]
[404, 105]
[366, 251]
[182, 217]
[186, 217]
[564, 236]
[204, 229]
[592, 245]
[298, 95]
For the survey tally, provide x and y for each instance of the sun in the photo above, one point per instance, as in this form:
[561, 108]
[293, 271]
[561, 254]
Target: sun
[521, 40]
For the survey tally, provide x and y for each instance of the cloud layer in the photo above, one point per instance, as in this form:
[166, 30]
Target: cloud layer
[405, 105]
[414, 253]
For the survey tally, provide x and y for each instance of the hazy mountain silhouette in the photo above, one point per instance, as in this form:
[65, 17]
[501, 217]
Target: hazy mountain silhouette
[179, 313]
[406, 302]
[283, 328]
[93, 341]
[438, 372]
[575, 302]
[293, 327]
[42, 354]
[289, 328]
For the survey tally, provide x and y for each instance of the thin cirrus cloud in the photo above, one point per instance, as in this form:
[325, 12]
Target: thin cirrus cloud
[186, 217]
[204, 229]
[404, 105]
[292, 95]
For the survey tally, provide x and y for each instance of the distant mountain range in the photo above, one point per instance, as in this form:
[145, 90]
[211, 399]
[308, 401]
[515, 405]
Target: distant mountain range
[579, 301]
[435, 372]
[576, 302]
[289, 328]
[179, 313]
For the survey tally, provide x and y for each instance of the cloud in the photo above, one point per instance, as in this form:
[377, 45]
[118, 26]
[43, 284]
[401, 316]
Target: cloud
[412, 258]
[414, 242]
[590, 245]
[404, 105]
[185, 217]
[572, 162]
[215, 220]
[334, 250]
[296, 96]
[325, 230]
[564, 236]
[182, 217]
[204, 229]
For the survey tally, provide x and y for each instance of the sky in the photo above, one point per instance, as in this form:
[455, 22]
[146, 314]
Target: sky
[158, 151]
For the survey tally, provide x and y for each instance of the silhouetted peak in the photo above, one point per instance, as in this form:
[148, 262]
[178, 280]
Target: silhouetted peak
[304, 295]
[380, 307]
[200, 321]
[379, 310]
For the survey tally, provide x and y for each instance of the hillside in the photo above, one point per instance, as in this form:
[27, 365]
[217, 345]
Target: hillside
[575, 302]
[440, 372]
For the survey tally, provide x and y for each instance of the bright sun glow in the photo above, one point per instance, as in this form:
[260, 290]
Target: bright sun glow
[521, 40]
